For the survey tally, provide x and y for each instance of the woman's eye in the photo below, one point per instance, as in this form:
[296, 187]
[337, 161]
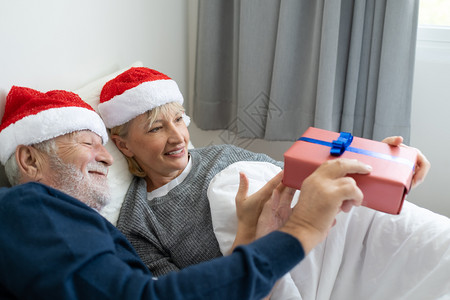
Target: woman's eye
[87, 143]
[179, 119]
[156, 129]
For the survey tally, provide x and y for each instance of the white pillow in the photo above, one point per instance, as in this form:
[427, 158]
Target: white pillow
[119, 178]
[222, 192]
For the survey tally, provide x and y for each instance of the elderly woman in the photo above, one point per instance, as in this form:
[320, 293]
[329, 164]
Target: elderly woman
[166, 213]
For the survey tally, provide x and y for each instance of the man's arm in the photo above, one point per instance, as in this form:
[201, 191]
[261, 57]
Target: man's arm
[54, 246]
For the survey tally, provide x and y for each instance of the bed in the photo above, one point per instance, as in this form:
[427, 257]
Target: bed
[367, 255]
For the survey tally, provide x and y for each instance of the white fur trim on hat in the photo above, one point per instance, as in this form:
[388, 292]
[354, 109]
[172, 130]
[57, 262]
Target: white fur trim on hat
[136, 101]
[49, 124]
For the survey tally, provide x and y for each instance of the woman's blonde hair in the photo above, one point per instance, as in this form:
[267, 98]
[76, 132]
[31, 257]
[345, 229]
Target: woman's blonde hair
[122, 131]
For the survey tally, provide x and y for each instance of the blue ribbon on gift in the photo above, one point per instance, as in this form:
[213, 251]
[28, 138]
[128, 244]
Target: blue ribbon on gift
[342, 144]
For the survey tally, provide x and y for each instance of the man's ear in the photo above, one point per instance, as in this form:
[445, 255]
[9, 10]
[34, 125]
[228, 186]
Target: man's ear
[121, 144]
[29, 162]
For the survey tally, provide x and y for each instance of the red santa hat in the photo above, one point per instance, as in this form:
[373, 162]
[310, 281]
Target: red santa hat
[134, 92]
[32, 117]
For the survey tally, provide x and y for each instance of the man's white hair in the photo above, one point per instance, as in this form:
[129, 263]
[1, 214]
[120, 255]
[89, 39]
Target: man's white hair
[12, 169]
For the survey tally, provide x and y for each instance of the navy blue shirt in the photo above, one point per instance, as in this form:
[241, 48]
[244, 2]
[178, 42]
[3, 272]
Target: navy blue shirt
[53, 246]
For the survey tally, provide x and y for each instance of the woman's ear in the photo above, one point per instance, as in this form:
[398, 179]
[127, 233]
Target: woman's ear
[29, 163]
[121, 144]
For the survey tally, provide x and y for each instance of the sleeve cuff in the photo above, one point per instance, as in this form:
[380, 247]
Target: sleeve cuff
[282, 249]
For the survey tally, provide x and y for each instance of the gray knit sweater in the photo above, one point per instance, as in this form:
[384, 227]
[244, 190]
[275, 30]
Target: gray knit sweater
[174, 231]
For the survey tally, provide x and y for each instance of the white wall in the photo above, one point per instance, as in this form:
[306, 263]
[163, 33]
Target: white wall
[430, 123]
[61, 44]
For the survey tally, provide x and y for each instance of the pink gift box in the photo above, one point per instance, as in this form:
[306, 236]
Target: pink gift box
[384, 189]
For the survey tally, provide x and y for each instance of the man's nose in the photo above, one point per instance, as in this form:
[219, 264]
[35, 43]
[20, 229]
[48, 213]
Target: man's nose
[104, 156]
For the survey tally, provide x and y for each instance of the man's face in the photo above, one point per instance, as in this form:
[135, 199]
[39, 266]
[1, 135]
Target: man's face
[80, 168]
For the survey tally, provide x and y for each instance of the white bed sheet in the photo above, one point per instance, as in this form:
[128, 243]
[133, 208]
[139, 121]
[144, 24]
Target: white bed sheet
[367, 255]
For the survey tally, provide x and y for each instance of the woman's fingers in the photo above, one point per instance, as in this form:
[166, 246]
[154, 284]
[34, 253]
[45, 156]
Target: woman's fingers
[243, 187]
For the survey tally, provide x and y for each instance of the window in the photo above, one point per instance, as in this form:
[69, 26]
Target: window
[434, 13]
[434, 22]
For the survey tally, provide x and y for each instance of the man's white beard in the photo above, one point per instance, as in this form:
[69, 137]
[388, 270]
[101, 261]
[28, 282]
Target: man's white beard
[93, 190]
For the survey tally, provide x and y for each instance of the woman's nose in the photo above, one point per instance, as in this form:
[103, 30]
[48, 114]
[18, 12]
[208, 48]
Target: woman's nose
[176, 135]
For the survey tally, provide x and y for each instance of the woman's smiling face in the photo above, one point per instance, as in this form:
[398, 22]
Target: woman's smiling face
[159, 147]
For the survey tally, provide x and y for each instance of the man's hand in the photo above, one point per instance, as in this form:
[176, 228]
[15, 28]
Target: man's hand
[323, 195]
[422, 164]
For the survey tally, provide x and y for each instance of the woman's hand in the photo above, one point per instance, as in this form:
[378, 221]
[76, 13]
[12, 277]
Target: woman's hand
[276, 211]
[422, 164]
[249, 208]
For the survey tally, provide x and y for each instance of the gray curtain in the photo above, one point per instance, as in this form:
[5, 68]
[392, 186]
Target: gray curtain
[271, 68]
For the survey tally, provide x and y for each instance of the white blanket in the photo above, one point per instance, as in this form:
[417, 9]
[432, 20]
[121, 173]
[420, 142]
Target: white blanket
[367, 255]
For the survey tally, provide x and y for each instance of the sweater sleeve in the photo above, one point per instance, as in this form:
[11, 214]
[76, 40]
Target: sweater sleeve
[249, 272]
[53, 246]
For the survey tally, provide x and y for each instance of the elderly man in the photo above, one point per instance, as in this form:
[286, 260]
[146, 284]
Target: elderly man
[54, 244]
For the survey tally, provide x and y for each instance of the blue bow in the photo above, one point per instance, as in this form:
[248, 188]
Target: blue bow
[340, 145]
